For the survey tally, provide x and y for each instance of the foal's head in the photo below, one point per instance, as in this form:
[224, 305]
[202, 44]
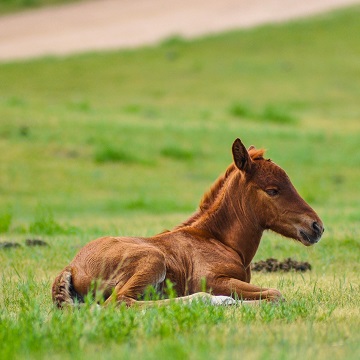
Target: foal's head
[273, 198]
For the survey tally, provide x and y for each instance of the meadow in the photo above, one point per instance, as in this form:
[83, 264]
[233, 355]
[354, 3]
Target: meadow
[126, 143]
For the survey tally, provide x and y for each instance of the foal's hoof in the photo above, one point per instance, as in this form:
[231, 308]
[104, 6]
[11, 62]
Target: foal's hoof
[275, 296]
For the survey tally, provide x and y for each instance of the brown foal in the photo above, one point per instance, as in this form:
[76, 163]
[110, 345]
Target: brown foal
[214, 246]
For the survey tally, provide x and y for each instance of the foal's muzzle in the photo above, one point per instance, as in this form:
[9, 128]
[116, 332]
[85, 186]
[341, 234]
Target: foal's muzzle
[313, 236]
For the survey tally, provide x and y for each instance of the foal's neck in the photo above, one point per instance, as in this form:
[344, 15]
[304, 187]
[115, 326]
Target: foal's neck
[230, 220]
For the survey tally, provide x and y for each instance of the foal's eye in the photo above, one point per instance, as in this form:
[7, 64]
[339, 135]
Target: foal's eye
[272, 192]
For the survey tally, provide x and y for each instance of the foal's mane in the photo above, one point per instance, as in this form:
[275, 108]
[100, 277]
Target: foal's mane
[210, 196]
[217, 188]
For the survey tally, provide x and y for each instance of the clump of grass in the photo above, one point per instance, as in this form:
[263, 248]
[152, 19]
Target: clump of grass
[132, 108]
[277, 114]
[177, 153]
[173, 41]
[241, 110]
[173, 47]
[44, 223]
[139, 204]
[155, 205]
[271, 113]
[24, 131]
[5, 221]
[15, 101]
[108, 153]
[147, 112]
[80, 105]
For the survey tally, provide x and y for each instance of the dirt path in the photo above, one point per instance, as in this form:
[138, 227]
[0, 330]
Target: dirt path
[108, 24]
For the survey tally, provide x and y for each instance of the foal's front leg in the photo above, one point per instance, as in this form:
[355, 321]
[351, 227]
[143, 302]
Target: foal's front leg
[244, 290]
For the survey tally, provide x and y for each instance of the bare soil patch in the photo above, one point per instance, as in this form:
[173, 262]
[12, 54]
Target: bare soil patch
[112, 24]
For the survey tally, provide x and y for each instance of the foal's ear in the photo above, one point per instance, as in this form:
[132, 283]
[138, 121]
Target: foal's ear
[241, 156]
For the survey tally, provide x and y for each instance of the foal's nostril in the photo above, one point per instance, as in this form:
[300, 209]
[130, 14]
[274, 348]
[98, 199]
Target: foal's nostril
[318, 229]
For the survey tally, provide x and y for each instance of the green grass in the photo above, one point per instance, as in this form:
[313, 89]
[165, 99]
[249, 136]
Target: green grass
[9, 6]
[271, 113]
[5, 220]
[126, 143]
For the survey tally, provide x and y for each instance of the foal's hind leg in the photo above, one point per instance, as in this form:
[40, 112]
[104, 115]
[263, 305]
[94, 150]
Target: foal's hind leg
[150, 271]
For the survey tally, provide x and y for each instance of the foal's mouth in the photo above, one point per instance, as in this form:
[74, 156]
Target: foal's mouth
[307, 239]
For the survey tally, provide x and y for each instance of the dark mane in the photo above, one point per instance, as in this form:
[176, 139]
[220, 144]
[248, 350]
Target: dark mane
[210, 196]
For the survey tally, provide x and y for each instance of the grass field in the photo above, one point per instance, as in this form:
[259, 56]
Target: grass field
[127, 142]
[10, 6]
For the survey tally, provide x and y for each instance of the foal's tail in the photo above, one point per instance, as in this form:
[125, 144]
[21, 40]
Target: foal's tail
[63, 292]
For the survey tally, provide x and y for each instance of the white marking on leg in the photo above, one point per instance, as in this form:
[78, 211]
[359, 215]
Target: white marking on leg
[222, 300]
